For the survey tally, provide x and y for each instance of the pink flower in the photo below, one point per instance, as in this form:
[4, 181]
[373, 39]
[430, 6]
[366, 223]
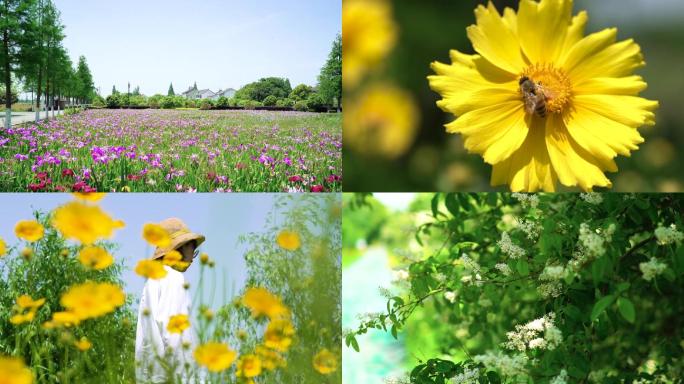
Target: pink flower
[317, 188]
[295, 179]
[68, 172]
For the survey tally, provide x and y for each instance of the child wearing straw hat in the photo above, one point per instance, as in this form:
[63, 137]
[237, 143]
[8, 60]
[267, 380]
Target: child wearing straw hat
[161, 355]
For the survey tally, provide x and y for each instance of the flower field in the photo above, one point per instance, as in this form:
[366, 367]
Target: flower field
[179, 151]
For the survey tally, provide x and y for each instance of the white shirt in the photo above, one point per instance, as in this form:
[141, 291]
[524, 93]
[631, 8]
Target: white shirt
[163, 298]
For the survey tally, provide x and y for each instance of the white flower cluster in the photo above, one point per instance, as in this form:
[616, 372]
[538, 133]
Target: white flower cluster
[400, 275]
[526, 200]
[668, 235]
[507, 247]
[504, 269]
[592, 244]
[552, 285]
[530, 228]
[592, 198]
[450, 296]
[507, 366]
[537, 334]
[562, 378]
[469, 376]
[652, 268]
[473, 267]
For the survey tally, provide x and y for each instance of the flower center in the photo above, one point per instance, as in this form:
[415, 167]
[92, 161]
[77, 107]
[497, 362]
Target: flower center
[554, 83]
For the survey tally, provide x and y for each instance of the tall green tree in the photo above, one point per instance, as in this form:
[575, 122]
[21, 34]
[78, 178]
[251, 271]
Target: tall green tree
[330, 78]
[86, 86]
[171, 91]
[15, 21]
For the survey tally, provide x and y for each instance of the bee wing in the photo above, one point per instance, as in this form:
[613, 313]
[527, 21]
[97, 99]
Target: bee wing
[547, 93]
[530, 103]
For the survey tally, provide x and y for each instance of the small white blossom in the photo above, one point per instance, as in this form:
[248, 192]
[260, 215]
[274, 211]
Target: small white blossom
[668, 235]
[401, 275]
[530, 228]
[553, 272]
[504, 269]
[562, 378]
[507, 366]
[551, 289]
[592, 198]
[652, 268]
[507, 247]
[526, 200]
[529, 336]
[469, 376]
[450, 296]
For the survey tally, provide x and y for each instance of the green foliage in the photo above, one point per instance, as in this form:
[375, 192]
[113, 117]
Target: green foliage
[301, 92]
[285, 103]
[260, 90]
[48, 274]
[171, 92]
[330, 78]
[584, 260]
[270, 101]
[222, 102]
[308, 280]
[301, 106]
[206, 104]
[316, 103]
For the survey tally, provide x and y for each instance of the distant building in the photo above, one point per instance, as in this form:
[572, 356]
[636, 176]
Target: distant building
[194, 93]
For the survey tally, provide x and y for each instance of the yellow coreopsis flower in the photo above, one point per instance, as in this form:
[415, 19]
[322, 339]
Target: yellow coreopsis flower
[540, 101]
[278, 335]
[262, 302]
[270, 360]
[174, 259]
[151, 269]
[325, 362]
[14, 371]
[95, 257]
[3, 247]
[85, 223]
[156, 235]
[215, 356]
[21, 318]
[91, 300]
[248, 366]
[369, 35]
[27, 302]
[83, 344]
[288, 240]
[89, 196]
[29, 230]
[62, 319]
[382, 121]
[178, 323]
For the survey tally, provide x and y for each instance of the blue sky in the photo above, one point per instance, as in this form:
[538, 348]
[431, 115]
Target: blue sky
[218, 43]
[221, 218]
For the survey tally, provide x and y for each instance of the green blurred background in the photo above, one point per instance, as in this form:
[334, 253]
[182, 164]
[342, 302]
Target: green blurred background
[435, 160]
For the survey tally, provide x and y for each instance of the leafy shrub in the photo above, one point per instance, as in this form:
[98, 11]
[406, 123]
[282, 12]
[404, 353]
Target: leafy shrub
[222, 102]
[285, 103]
[99, 101]
[206, 104]
[301, 106]
[316, 103]
[190, 103]
[155, 101]
[270, 101]
[536, 287]
[301, 92]
[114, 101]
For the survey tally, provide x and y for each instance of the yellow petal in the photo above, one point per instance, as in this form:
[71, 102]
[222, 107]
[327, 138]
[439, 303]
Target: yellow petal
[495, 131]
[628, 110]
[587, 47]
[510, 18]
[602, 137]
[617, 60]
[575, 31]
[630, 86]
[496, 42]
[574, 165]
[542, 28]
[528, 169]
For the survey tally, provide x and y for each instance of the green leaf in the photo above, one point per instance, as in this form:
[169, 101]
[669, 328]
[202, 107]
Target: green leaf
[451, 203]
[434, 205]
[601, 306]
[522, 267]
[626, 309]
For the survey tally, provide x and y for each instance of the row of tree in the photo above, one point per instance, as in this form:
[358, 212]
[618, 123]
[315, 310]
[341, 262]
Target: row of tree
[31, 52]
[266, 92]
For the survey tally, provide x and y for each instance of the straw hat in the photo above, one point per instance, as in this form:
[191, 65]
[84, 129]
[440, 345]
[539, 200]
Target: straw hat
[179, 233]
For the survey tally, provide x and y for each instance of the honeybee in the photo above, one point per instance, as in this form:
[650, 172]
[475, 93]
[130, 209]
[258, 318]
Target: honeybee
[534, 95]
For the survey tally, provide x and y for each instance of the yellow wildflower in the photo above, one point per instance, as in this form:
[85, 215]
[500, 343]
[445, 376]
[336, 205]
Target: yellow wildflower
[14, 371]
[27, 302]
[156, 235]
[3, 247]
[62, 319]
[29, 230]
[150, 269]
[288, 240]
[382, 121]
[95, 257]
[174, 259]
[248, 366]
[89, 196]
[540, 101]
[263, 302]
[204, 258]
[270, 360]
[90, 300]
[278, 335]
[215, 356]
[325, 362]
[85, 223]
[27, 253]
[83, 344]
[178, 323]
[21, 318]
[369, 36]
